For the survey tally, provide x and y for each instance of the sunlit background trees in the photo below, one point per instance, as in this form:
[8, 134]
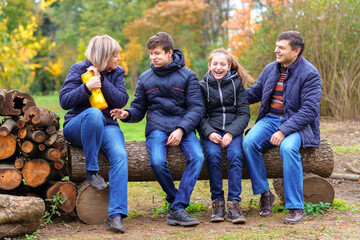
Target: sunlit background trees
[41, 39]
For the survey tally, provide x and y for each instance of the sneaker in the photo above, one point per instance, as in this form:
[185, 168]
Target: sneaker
[97, 182]
[115, 223]
[266, 205]
[181, 217]
[234, 212]
[295, 216]
[218, 208]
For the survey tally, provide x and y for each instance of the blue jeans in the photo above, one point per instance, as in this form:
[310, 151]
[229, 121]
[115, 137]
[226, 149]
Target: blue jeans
[190, 145]
[235, 164]
[258, 139]
[89, 131]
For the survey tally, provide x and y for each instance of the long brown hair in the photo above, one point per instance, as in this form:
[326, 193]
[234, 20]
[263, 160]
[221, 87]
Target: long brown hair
[235, 65]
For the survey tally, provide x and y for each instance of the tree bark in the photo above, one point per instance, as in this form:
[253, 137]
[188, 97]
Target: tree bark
[347, 176]
[315, 189]
[14, 103]
[36, 172]
[91, 205]
[65, 190]
[6, 128]
[315, 160]
[10, 177]
[20, 215]
[7, 146]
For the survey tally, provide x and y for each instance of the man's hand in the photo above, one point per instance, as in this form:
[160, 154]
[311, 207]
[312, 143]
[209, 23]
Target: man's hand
[119, 113]
[215, 137]
[277, 138]
[175, 137]
[226, 140]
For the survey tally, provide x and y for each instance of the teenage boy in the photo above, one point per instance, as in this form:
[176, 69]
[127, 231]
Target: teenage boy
[170, 95]
[289, 90]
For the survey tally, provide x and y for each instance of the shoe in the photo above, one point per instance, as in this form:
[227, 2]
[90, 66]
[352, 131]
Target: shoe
[97, 182]
[234, 212]
[115, 223]
[295, 216]
[266, 205]
[182, 218]
[218, 208]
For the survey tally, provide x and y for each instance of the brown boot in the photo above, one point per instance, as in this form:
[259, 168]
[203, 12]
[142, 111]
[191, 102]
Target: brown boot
[234, 212]
[295, 216]
[218, 208]
[266, 205]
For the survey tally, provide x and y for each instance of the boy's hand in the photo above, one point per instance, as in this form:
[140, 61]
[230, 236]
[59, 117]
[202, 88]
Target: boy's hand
[215, 137]
[175, 137]
[119, 113]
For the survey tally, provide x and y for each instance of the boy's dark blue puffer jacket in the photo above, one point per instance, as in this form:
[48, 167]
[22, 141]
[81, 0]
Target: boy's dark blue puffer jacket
[170, 96]
[302, 93]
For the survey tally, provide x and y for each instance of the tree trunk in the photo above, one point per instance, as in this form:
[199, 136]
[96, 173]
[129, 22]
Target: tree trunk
[65, 190]
[316, 160]
[36, 172]
[14, 103]
[8, 125]
[10, 177]
[7, 146]
[91, 205]
[20, 215]
[316, 189]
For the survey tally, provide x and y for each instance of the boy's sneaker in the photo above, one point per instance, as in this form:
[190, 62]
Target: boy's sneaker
[234, 212]
[218, 208]
[181, 217]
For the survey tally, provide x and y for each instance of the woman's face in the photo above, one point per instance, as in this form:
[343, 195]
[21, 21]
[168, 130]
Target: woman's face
[113, 62]
[219, 66]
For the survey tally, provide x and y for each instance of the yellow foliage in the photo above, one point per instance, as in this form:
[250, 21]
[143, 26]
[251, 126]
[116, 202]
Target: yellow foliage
[46, 3]
[55, 68]
[122, 61]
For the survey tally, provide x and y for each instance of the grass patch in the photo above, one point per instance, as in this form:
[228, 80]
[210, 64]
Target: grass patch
[346, 149]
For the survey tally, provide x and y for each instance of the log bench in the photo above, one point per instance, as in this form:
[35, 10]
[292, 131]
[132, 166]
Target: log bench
[318, 163]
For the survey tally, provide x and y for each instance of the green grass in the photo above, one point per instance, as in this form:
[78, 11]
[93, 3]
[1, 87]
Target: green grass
[346, 149]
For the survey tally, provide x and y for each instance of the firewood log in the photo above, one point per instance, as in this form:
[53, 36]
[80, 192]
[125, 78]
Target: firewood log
[36, 172]
[37, 136]
[6, 128]
[20, 215]
[19, 162]
[41, 117]
[14, 103]
[65, 190]
[50, 130]
[20, 122]
[29, 148]
[10, 177]
[7, 146]
[59, 164]
[51, 140]
[52, 154]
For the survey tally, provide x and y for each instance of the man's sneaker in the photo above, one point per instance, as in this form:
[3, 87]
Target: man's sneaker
[234, 212]
[218, 208]
[266, 205]
[295, 216]
[115, 223]
[181, 217]
[97, 182]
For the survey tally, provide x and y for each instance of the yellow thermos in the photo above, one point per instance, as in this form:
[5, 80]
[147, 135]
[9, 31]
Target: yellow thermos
[96, 99]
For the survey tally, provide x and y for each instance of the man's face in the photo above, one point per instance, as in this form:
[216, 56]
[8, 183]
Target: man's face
[285, 54]
[159, 58]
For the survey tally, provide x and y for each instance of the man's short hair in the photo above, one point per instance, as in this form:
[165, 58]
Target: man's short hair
[295, 40]
[160, 39]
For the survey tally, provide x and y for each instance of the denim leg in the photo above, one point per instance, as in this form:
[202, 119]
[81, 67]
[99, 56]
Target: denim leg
[113, 148]
[256, 140]
[191, 147]
[235, 165]
[213, 163]
[293, 171]
[156, 146]
[86, 130]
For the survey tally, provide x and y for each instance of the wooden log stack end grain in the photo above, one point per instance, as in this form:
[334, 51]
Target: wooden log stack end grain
[7, 146]
[65, 190]
[36, 172]
[20, 215]
[319, 161]
[10, 177]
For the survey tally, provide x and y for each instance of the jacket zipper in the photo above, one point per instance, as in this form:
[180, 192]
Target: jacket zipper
[222, 105]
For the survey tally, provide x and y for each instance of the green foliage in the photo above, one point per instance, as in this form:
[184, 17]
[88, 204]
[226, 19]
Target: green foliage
[55, 201]
[196, 207]
[316, 209]
[134, 214]
[346, 149]
[32, 236]
[342, 206]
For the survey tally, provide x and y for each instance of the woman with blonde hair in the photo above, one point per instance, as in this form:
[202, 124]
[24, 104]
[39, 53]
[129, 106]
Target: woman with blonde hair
[93, 129]
[226, 116]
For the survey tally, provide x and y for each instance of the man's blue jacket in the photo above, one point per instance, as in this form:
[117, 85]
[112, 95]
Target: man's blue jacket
[170, 96]
[302, 93]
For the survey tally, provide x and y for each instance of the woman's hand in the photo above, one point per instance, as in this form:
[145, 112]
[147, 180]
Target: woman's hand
[119, 113]
[94, 69]
[226, 140]
[215, 137]
[93, 83]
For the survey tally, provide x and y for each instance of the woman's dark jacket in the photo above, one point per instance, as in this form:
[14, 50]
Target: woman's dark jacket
[227, 109]
[170, 96]
[301, 92]
[74, 95]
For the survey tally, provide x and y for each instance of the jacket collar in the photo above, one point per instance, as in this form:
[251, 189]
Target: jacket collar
[178, 61]
[290, 69]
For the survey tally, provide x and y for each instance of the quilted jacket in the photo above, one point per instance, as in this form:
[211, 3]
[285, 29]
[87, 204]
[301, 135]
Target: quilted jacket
[170, 96]
[74, 95]
[302, 93]
[226, 106]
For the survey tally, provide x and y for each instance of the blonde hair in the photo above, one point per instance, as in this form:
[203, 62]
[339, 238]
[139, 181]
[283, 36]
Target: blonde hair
[100, 49]
[235, 65]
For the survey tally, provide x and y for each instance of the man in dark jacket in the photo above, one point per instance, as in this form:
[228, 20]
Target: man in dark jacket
[170, 95]
[289, 90]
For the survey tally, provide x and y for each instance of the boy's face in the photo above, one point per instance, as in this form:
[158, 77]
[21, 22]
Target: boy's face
[159, 58]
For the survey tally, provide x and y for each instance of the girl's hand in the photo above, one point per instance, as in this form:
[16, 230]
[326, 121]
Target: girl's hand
[215, 137]
[226, 140]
